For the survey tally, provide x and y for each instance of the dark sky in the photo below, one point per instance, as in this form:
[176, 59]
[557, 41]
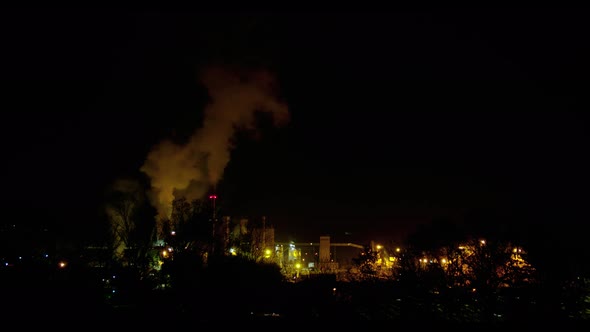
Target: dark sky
[396, 118]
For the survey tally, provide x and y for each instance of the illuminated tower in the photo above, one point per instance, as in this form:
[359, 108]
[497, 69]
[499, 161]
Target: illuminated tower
[214, 239]
[324, 249]
[214, 198]
[325, 263]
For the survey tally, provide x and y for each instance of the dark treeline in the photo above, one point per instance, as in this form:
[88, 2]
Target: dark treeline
[445, 273]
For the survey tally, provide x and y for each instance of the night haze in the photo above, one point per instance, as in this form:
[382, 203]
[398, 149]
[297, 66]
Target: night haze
[394, 119]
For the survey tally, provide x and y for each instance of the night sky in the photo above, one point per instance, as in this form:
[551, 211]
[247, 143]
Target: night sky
[397, 119]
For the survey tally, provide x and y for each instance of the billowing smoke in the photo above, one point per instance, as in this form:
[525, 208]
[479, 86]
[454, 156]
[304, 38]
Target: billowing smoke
[190, 169]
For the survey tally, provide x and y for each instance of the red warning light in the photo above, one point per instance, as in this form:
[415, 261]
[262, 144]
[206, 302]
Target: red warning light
[213, 196]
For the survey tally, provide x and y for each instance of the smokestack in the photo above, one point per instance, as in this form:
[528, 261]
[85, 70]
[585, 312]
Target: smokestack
[226, 221]
[263, 232]
[213, 198]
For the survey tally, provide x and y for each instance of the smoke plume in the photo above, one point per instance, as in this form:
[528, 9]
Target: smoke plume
[191, 169]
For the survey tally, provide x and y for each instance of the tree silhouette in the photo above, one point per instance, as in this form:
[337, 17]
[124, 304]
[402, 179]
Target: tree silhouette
[131, 222]
[191, 225]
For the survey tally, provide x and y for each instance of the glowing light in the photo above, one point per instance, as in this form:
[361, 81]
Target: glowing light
[379, 247]
[267, 252]
[165, 253]
[397, 249]
[213, 196]
[483, 241]
[444, 261]
[173, 233]
[298, 266]
[62, 264]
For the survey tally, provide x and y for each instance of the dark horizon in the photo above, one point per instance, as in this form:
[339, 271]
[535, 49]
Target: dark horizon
[397, 119]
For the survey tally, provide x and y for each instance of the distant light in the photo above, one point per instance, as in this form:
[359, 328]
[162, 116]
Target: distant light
[5, 264]
[62, 264]
[113, 290]
[267, 251]
[170, 249]
[19, 257]
[483, 241]
[173, 233]
[444, 261]
[114, 277]
[379, 247]
[397, 249]
[297, 266]
[213, 196]
[514, 250]
[46, 255]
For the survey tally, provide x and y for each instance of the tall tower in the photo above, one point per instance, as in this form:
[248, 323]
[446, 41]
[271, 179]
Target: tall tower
[325, 265]
[216, 242]
[324, 249]
[263, 232]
